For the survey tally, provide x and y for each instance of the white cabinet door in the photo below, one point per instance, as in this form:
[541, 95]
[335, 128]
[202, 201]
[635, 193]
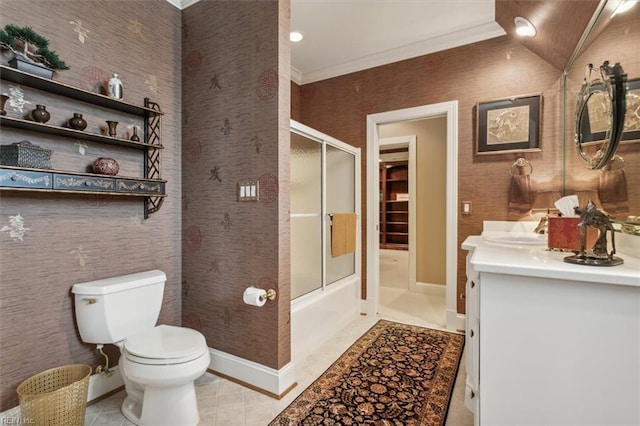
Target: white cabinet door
[472, 353]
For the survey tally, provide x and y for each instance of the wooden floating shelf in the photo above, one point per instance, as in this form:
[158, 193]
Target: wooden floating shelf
[19, 123]
[59, 88]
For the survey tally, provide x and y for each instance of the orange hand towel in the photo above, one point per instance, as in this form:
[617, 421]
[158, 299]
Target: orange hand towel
[343, 233]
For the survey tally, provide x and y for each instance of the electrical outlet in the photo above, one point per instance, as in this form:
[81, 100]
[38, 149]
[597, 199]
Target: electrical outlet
[248, 191]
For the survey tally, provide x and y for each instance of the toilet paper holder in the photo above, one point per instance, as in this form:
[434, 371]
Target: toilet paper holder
[271, 295]
[257, 296]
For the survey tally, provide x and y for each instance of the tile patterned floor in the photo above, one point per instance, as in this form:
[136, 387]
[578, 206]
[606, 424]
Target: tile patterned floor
[225, 403]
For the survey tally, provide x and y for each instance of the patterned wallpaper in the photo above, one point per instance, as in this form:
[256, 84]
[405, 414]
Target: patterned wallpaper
[236, 100]
[493, 69]
[48, 242]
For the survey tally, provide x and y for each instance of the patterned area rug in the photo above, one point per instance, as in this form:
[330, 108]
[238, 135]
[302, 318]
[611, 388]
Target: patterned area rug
[395, 374]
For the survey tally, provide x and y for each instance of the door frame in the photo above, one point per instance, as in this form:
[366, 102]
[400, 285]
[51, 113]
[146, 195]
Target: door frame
[449, 109]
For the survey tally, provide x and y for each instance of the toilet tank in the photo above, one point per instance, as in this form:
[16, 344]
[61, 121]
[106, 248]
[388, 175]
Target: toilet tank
[110, 309]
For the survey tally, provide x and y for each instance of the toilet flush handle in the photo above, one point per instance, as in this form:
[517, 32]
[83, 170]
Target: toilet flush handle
[90, 300]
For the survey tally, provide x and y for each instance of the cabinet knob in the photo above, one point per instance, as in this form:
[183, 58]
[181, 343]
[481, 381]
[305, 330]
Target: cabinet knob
[471, 333]
[473, 284]
[86, 183]
[14, 178]
[473, 394]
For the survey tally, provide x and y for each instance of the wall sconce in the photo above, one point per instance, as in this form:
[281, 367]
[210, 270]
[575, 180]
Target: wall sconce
[524, 27]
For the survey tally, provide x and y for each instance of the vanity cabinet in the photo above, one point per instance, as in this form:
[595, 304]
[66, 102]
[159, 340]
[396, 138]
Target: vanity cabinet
[548, 342]
[472, 344]
[149, 186]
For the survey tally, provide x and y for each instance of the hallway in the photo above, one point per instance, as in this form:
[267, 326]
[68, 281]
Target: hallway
[398, 303]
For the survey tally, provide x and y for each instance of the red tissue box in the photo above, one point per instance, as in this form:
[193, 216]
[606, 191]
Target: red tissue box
[564, 233]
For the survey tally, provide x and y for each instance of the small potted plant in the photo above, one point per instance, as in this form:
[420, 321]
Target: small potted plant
[30, 51]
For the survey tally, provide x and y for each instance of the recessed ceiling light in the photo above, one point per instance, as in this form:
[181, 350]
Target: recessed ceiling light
[524, 27]
[295, 36]
[624, 6]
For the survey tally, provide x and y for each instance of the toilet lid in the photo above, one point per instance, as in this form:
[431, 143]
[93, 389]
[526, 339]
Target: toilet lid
[167, 343]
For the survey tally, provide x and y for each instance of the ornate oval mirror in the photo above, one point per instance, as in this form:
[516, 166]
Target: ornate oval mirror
[600, 114]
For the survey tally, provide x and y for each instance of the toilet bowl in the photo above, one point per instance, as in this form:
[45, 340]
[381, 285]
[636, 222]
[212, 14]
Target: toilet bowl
[158, 363]
[159, 367]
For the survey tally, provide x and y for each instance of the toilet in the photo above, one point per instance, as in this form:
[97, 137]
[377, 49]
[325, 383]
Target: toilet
[159, 363]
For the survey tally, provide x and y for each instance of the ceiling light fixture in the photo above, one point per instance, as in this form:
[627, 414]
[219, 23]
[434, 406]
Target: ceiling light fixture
[295, 36]
[624, 6]
[524, 27]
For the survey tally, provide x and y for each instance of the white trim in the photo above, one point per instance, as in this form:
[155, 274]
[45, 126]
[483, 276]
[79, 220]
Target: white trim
[176, 3]
[450, 110]
[296, 75]
[430, 288]
[185, 3]
[257, 375]
[436, 44]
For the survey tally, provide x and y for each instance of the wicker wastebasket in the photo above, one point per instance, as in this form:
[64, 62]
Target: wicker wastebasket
[55, 397]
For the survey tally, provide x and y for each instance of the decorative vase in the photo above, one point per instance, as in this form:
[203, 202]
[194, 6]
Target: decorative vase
[4, 98]
[40, 114]
[77, 122]
[135, 136]
[112, 128]
[115, 87]
[106, 166]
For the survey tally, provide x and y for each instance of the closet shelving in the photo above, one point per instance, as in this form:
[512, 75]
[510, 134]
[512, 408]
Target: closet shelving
[394, 205]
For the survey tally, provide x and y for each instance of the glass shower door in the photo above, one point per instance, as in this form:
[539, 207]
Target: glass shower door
[340, 198]
[306, 215]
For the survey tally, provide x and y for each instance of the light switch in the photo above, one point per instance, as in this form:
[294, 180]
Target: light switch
[248, 191]
[466, 207]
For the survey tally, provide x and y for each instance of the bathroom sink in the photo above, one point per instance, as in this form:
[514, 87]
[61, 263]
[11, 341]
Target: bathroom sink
[514, 238]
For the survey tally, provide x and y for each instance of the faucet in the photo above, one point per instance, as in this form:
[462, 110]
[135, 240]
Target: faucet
[542, 226]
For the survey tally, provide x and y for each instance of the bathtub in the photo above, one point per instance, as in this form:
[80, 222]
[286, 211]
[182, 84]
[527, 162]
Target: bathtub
[317, 316]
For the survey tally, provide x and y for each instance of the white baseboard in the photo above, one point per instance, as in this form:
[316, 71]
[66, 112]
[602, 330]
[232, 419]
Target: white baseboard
[429, 288]
[101, 384]
[456, 321]
[274, 382]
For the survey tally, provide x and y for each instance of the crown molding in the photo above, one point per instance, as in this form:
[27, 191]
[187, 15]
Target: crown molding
[182, 4]
[176, 3]
[425, 47]
[296, 75]
[187, 3]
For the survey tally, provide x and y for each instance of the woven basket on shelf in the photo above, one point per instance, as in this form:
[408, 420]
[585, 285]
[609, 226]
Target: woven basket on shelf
[55, 397]
[25, 154]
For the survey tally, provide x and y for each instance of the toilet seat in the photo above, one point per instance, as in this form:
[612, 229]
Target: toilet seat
[165, 344]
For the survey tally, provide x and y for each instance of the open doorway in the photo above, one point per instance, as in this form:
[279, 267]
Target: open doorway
[374, 122]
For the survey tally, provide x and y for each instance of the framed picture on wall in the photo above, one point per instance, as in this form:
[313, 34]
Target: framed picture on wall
[594, 127]
[509, 125]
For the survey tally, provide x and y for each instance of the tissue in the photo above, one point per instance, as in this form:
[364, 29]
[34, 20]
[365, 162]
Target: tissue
[567, 205]
[254, 296]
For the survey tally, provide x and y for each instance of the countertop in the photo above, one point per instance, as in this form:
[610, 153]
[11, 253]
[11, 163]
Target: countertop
[538, 261]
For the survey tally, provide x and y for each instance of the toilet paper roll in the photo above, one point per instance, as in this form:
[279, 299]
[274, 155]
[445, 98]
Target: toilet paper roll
[254, 296]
